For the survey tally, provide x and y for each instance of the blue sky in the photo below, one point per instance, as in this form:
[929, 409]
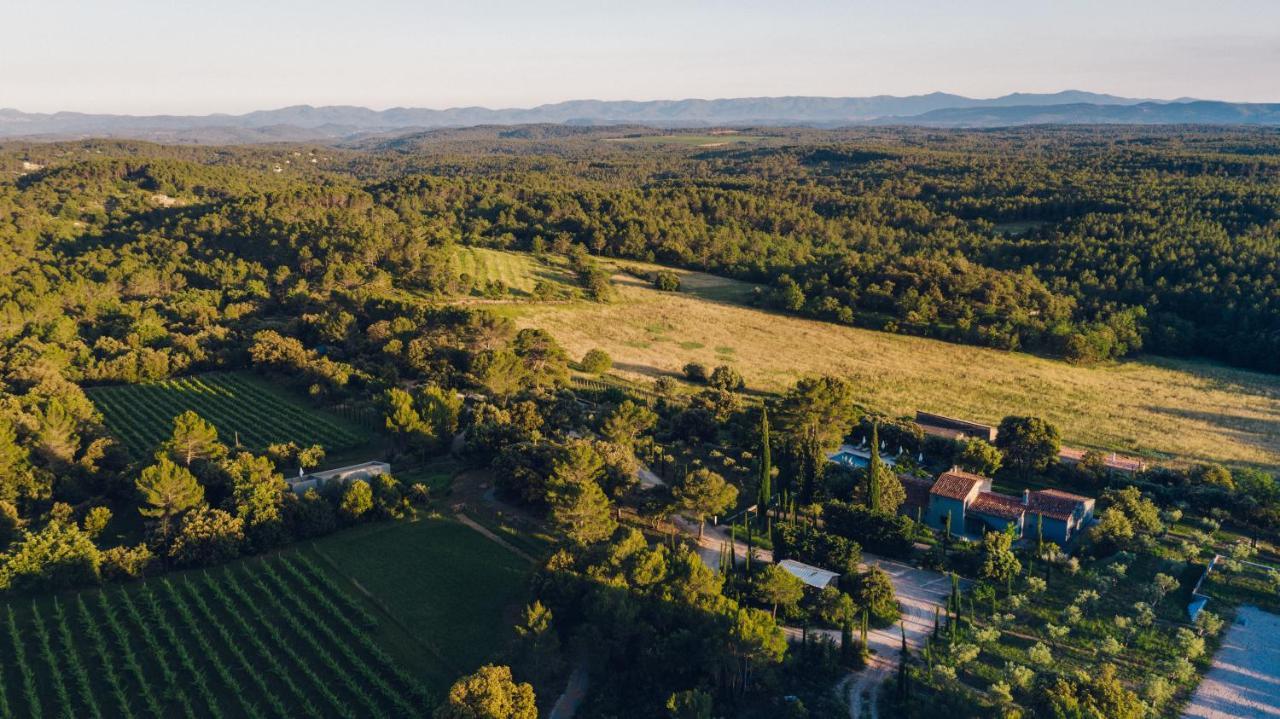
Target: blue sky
[179, 56]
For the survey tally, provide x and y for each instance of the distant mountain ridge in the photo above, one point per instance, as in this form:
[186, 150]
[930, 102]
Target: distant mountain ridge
[305, 122]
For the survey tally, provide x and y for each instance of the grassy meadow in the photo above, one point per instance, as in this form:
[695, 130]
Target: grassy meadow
[518, 271]
[1161, 408]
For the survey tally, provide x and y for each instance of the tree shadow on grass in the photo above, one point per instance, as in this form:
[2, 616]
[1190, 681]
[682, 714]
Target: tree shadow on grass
[1262, 434]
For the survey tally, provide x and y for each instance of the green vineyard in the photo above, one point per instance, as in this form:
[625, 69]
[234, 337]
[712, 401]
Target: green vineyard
[270, 638]
[243, 407]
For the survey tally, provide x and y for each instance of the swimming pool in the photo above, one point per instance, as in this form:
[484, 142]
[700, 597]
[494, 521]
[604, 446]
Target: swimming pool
[849, 459]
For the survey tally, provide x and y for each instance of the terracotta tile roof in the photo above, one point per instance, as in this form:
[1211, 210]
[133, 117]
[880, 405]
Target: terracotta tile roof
[917, 491]
[1053, 503]
[1062, 494]
[956, 484]
[997, 505]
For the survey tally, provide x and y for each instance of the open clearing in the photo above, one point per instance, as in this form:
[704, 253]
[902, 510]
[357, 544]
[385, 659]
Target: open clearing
[1244, 681]
[449, 587]
[243, 407]
[518, 271]
[1157, 407]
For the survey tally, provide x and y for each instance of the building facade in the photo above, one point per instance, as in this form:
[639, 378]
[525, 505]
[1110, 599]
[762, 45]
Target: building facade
[975, 509]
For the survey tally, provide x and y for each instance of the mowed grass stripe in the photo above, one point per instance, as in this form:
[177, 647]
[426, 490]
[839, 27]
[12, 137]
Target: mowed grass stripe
[520, 272]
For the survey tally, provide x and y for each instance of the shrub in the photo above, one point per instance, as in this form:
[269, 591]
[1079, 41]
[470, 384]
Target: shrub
[57, 557]
[814, 546]
[726, 378]
[207, 536]
[1040, 655]
[874, 591]
[312, 515]
[666, 280]
[596, 362]
[122, 563]
[890, 535]
[695, 372]
[357, 500]
[96, 520]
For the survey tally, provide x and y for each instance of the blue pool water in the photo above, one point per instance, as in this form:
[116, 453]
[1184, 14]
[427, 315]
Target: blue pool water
[850, 459]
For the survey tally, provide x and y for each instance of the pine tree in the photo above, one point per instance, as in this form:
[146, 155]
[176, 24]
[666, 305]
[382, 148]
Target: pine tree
[193, 438]
[704, 493]
[168, 490]
[579, 508]
[766, 466]
[873, 471]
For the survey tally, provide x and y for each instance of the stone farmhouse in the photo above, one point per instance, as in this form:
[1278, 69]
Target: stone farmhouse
[975, 509]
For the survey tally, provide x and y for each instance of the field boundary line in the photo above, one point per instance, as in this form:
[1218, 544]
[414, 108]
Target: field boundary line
[494, 538]
[382, 607]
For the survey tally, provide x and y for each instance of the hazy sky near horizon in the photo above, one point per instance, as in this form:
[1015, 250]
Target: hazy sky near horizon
[186, 57]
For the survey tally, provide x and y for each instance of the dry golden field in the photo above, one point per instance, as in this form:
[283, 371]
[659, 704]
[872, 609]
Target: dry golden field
[1157, 407]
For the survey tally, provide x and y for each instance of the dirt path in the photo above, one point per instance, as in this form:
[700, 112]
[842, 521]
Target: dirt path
[567, 705]
[490, 535]
[713, 538]
[1245, 678]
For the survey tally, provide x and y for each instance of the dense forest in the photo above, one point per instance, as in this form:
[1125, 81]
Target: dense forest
[328, 271]
[1089, 244]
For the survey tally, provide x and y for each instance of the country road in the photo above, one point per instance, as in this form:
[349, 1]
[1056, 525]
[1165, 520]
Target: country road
[920, 592]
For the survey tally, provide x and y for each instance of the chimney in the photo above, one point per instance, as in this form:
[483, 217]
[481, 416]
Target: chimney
[1026, 497]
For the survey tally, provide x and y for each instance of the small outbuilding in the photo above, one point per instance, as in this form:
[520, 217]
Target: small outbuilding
[342, 475]
[812, 576]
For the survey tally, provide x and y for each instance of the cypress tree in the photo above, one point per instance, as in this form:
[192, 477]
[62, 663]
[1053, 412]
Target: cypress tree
[902, 664]
[1039, 535]
[873, 471]
[766, 465]
[846, 644]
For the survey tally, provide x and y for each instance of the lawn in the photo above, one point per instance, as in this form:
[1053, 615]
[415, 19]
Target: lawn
[1157, 407]
[454, 591]
[246, 410]
[437, 475]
